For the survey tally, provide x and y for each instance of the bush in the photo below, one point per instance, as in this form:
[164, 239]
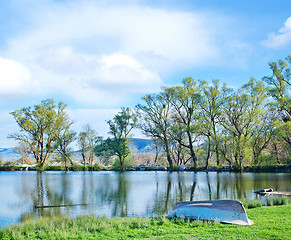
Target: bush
[251, 203]
[277, 200]
[127, 162]
[53, 168]
[96, 167]
[77, 168]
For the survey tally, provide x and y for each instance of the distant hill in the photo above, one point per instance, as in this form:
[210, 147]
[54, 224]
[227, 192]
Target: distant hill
[9, 154]
[142, 145]
[139, 145]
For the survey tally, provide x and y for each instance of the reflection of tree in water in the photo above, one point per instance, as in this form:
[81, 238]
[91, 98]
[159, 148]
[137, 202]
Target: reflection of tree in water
[87, 188]
[46, 194]
[114, 191]
[193, 186]
[167, 195]
[109, 192]
[208, 185]
[234, 185]
[120, 196]
[217, 185]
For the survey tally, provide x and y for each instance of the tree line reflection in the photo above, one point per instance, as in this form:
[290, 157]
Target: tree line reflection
[131, 194]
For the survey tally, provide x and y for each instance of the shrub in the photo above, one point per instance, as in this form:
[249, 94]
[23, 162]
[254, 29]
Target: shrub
[96, 167]
[277, 200]
[251, 203]
[127, 162]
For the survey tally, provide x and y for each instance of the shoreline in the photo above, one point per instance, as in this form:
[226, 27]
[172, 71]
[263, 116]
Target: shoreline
[254, 169]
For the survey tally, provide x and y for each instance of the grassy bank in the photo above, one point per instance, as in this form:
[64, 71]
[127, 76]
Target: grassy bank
[270, 223]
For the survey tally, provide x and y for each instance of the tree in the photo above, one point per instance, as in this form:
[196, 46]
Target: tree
[40, 128]
[185, 100]
[87, 140]
[241, 115]
[24, 150]
[119, 129]
[154, 120]
[64, 140]
[280, 84]
[279, 89]
[211, 109]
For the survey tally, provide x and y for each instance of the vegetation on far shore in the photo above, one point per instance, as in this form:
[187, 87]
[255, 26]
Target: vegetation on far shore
[269, 223]
[14, 166]
[199, 123]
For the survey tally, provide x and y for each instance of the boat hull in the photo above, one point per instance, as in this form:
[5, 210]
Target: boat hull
[225, 211]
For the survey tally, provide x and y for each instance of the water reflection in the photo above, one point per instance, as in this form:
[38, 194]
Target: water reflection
[115, 194]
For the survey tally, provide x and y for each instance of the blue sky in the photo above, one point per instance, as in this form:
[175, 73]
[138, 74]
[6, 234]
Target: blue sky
[98, 56]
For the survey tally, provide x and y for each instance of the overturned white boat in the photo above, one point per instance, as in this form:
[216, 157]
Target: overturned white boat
[225, 211]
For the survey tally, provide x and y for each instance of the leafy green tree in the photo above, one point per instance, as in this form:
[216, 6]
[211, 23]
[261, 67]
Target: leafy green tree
[280, 85]
[179, 153]
[40, 128]
[154, 120]
[279, 89]
[120, 129]
[241, 115]
[185, 101]
[211, 105]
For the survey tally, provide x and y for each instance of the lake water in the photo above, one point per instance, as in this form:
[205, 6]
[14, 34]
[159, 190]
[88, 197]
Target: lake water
[129, 194]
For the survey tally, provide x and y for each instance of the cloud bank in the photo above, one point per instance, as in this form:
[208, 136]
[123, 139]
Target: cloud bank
[89, 52]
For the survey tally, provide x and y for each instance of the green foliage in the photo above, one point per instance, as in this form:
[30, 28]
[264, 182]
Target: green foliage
[185, 121]
[279, 90]
[251, 203]
[62, 146]
[96, 167]
[52, 168]
[127, 162]
[117, 145]
[41, 127]
[154, 120]
[242, 114]
[278, 200]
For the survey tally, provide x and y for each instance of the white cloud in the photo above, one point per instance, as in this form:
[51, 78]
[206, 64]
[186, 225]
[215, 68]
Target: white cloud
[171, 34]
[15, 78]
[280, 39]
[95, 117]
[91, 53]
[95, 54]
[109, 72]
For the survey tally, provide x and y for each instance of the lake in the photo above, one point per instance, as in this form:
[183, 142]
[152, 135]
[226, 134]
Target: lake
[129, 194]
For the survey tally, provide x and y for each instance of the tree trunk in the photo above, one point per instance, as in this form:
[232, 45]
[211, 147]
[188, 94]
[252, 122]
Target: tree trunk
[217, 153]
[193, 155]
[168, 155]
[208, 153]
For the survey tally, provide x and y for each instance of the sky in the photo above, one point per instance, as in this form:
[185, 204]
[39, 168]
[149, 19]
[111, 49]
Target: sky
[100, 55]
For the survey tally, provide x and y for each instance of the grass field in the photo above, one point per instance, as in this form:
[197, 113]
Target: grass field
[270, 223]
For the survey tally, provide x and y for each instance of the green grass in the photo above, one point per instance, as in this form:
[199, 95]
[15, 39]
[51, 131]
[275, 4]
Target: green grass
[270, 223]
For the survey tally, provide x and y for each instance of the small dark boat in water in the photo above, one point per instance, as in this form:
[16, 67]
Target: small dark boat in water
[270, 191]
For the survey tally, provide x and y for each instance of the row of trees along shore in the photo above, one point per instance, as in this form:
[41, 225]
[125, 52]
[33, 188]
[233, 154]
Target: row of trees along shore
[189, 124]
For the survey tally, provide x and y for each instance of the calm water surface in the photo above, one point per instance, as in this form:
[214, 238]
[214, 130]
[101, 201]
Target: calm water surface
[129, 194]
